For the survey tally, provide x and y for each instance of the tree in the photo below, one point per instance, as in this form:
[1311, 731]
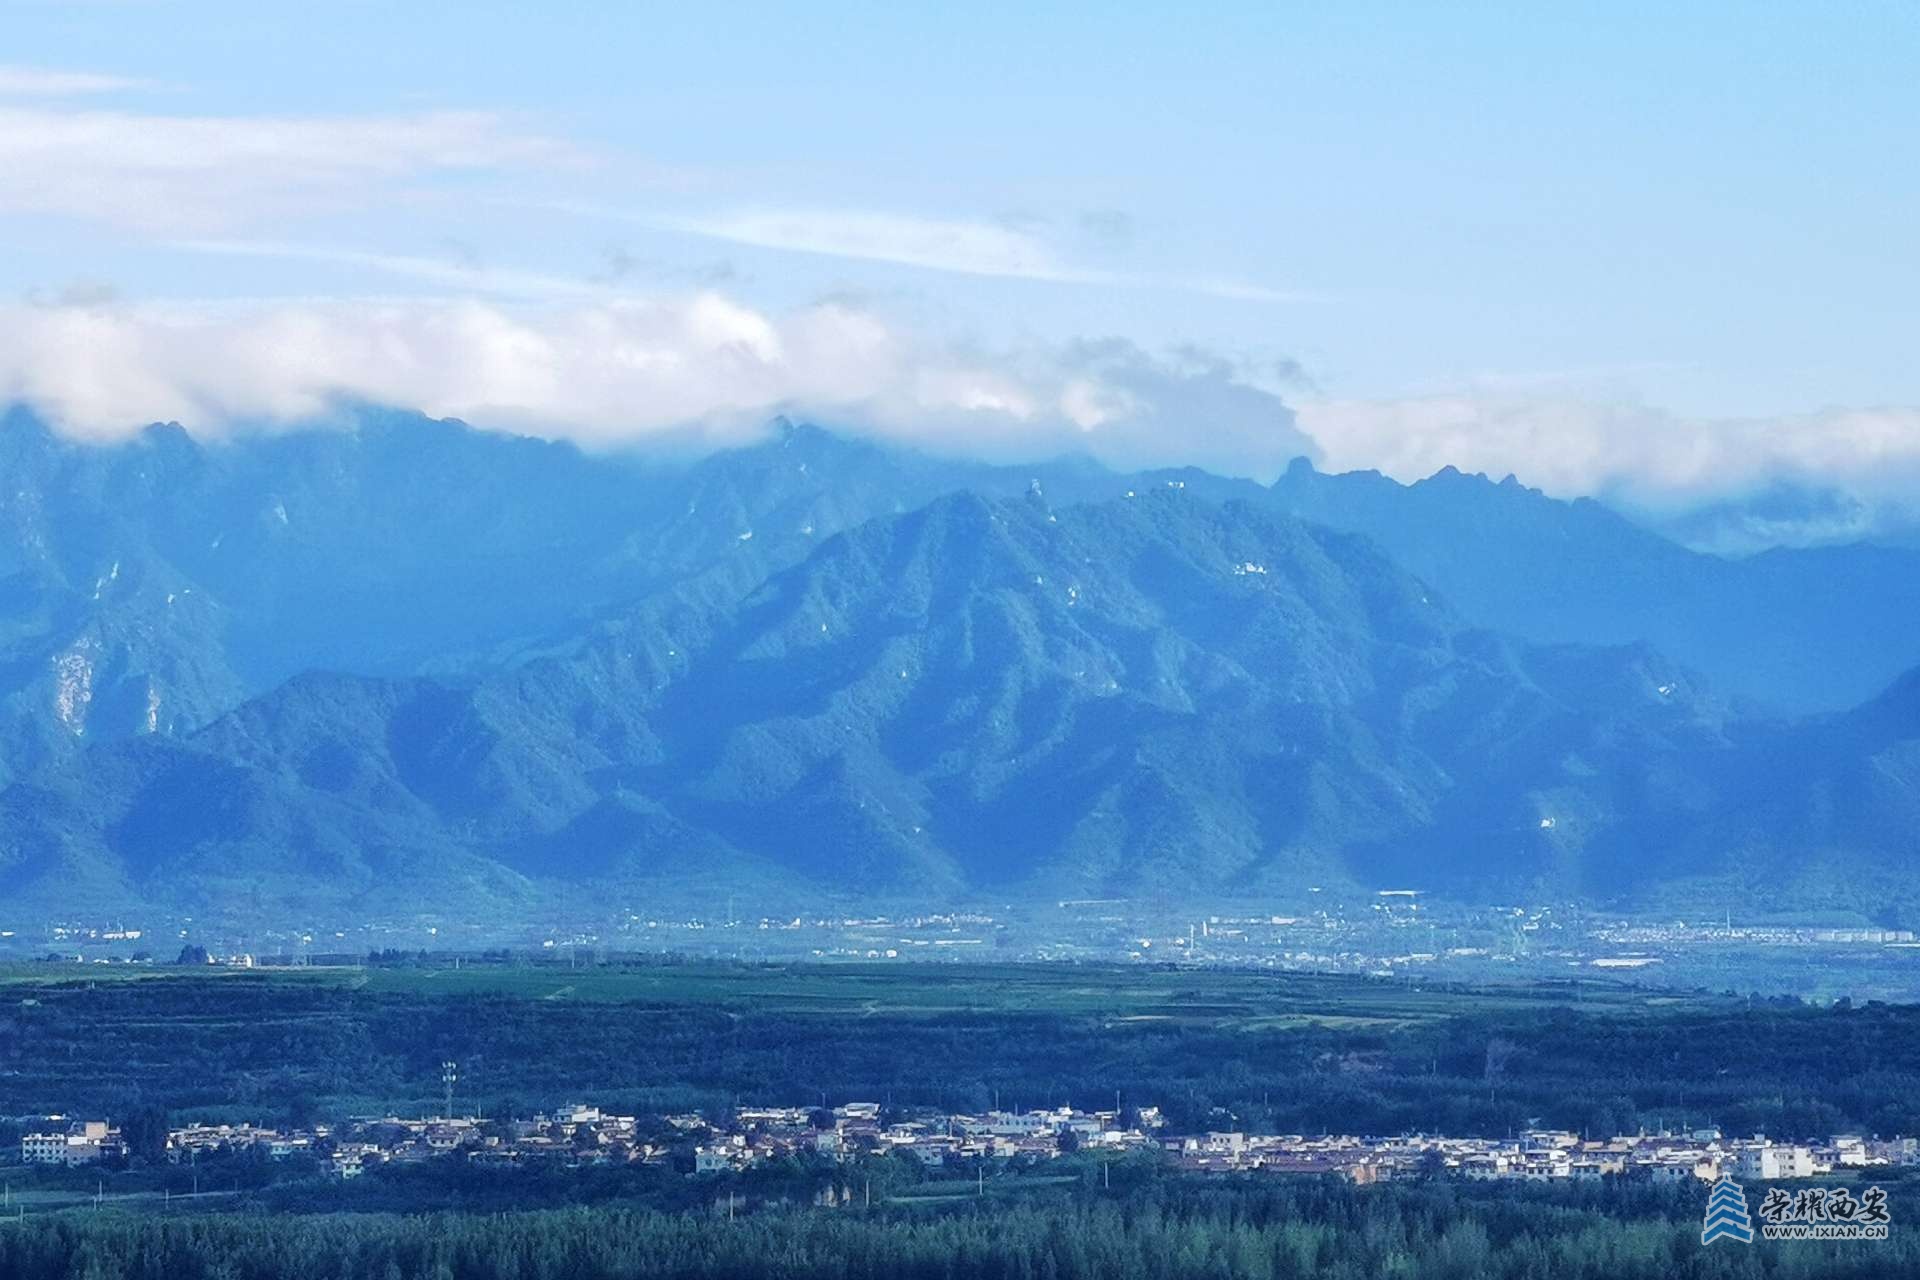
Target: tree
[144, 1131]
[303, 1110]
[193, 953]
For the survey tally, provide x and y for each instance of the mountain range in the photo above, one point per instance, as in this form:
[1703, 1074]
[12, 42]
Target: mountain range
[404, 665]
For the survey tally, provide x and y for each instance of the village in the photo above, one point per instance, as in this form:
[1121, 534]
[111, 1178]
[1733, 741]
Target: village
[580, 1135]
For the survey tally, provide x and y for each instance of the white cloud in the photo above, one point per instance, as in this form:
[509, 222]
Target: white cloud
[957, 246]
[1575, 446]
[467, 277]
[611, 371]
[40, 82]
[201, 174]
[604, 369]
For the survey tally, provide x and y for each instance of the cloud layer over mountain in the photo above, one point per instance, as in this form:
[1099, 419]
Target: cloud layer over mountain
[1577, 446]
[606, 369]
[613, 371]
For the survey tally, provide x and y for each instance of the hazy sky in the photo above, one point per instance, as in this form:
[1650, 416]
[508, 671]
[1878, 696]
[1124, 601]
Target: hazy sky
[1666, 247]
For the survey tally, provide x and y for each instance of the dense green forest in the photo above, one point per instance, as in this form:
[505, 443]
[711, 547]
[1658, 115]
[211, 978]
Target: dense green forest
[1243, 1227]
[1215, 1049]
[1276, 1052]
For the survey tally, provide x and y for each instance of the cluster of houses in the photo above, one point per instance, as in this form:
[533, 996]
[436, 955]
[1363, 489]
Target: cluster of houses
[1542, 1155]
[71, 1143]
[579, 1135]
[760, 1134]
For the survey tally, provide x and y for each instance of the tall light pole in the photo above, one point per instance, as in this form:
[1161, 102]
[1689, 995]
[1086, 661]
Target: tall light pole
[449, 1072]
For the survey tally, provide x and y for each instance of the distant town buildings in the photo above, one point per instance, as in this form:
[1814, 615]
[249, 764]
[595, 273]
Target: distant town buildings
[579, 1134]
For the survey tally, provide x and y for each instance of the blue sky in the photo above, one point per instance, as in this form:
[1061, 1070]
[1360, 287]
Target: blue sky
[1602, 246]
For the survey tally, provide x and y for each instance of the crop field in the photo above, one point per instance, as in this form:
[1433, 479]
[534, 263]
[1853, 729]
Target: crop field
[1188, 997]
[1295, 1052]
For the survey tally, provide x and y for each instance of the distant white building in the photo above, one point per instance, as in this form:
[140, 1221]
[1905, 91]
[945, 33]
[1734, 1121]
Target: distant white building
[1684, 1168]
[1850, 1151]
[1088, 1126]
[1018, 1124]
[82, 1142]
[719, 1159]
[1895, 1150]
[1769, 1162]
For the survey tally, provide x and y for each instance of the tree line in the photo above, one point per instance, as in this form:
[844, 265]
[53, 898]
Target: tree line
[1251, 1229]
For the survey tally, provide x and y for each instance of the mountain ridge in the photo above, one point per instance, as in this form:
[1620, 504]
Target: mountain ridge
[816, 667]
[978, 696]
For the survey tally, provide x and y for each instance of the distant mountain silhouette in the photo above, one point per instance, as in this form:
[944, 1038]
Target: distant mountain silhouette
[412, 666]
[1797, 629]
